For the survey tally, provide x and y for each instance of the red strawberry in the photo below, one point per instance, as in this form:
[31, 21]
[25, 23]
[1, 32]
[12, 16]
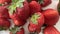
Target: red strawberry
[4, 24]
[24, 12]
[51, 16]
[4, 12]
[36, 21]
[19, 12]
[3, 1]
[16, 30]
[45, 3]
[21, 7]
[51, 30]
[17, 20]
[34, 7]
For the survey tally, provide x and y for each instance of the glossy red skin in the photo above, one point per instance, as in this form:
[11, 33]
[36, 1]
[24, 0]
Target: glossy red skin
[17, 21]
[3, 1]
[36, 27]
[51, 16]
[4, 23]
[51, 30]
[34, 7]
[21, 31]
[24, 12]
[46, 3]
[32, 27]
[4, 12]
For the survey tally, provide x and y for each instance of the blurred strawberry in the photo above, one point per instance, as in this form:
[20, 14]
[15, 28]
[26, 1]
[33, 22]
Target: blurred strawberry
[24, 12]
[21, 7]
[4, 12]
[4, 24]
[17, 20]
[34, 7]
[36, 21]
[51, 30]
[51, 16]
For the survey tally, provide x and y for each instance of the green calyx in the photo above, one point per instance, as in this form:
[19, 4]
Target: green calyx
[14, 30]
[2, 28]
[59, 9]
[34, 18]
[40, 1]
[0, 4]
[14, 5]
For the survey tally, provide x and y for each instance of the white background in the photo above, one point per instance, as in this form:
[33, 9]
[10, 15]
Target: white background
[53, 5]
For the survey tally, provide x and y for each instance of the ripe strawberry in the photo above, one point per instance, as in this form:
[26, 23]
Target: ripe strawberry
[51, 16]
[4, 12]
[36, 21]
[51, 30]
[24, 12]
[21, 7]
[4, 24]
[34, 7]
[45, 3]
[3, 1]
[17, 20]
[17, 30]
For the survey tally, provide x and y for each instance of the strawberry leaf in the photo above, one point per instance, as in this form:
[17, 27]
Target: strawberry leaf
[14, 30]
[0, 4]
[14, 5]
[40, 1]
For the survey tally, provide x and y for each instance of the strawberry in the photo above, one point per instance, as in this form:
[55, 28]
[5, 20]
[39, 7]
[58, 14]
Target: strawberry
[36, 21]
[4, 12]
[24, 12]
[4, 24]
[17, 30]
[4, 1]
[51, 16]
[19, 12]
[34, 7]
[44, 3]
[51, 30]
[21, 8]
[17, 21]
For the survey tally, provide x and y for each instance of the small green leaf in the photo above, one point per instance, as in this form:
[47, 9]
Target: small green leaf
[14, 5]
[41, 1]
[14, 29]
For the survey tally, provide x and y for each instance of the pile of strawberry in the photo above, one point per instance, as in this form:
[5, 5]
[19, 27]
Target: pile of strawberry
[19, 11]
